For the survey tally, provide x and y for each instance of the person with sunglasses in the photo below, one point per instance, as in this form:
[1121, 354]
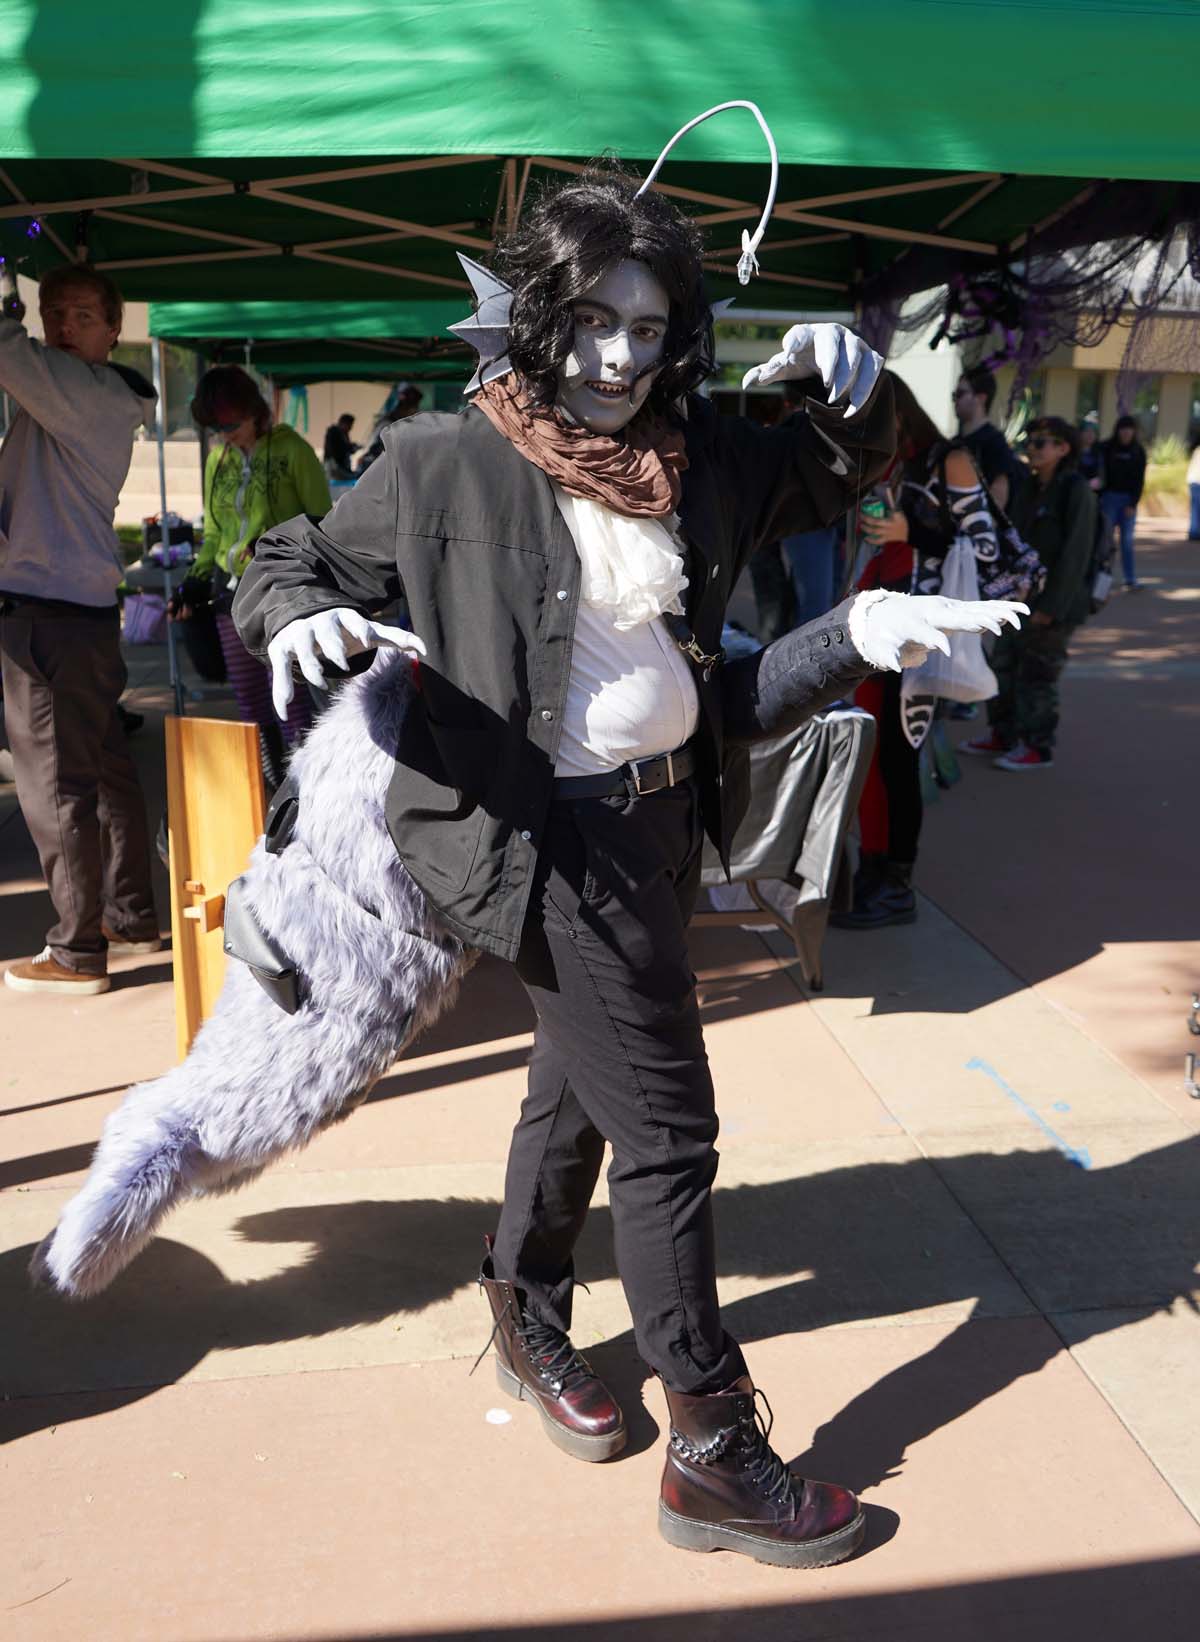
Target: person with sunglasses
[1055, 512]
[256, 476]
[978, 434]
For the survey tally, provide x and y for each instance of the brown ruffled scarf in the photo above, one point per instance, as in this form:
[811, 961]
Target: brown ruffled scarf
[637, 474]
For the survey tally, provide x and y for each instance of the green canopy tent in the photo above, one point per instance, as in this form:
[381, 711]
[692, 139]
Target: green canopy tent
[274, 151]
[255, 149]
[296, 342]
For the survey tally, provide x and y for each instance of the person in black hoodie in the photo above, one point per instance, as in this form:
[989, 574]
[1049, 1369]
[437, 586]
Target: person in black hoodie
[1056, 514]
[1124, 458]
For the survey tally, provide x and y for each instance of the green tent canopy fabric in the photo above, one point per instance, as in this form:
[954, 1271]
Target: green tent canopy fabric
[302, 154]
[333, 366]
[1075, 87]
[322, 341]
[186, 322]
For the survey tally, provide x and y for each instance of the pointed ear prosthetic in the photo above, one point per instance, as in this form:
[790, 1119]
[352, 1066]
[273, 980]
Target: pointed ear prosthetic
[487, 328]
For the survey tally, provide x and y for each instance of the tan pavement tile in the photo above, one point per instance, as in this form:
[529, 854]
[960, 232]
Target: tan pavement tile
[948, 1035]
[383, 1502]
[312, 1270]
[1146, 1365]
[1121, 1233]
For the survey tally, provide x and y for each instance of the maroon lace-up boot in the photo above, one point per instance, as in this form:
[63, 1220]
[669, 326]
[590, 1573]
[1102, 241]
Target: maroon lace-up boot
[538, 1364]
[725, 1489]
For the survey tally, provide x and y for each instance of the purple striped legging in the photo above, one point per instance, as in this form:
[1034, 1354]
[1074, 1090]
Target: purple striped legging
[252, 686]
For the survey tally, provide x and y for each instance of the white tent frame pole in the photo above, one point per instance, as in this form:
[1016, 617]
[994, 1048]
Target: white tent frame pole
[972, 200]
[164, 529]
[780, 279]
[733, 210]
[324, 208]
[1054, 216]
[892, 191]
[136, 220]
[380, 268]
[216, 186]
[786, 244]
[49, 232]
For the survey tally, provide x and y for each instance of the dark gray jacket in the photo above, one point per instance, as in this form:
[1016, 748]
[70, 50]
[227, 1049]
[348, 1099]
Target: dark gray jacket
[456, 519]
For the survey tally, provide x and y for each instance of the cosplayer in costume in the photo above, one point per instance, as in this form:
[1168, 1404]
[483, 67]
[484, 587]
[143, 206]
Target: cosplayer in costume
[539, 787]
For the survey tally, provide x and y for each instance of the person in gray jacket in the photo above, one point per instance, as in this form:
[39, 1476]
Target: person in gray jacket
[61, 469]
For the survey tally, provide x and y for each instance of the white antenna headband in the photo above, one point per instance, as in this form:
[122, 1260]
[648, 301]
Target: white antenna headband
[747, 262]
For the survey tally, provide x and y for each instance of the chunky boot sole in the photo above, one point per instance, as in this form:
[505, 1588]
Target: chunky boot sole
[578, 1444]
[689, 1535]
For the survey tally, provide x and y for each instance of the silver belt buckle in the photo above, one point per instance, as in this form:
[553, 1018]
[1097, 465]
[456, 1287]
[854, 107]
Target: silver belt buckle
[637, 776]
[670, 770]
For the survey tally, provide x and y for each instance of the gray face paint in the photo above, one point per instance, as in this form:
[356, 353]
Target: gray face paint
[620, 328]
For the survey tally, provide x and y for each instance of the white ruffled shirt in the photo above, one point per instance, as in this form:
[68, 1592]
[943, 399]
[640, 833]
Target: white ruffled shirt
[630, 693]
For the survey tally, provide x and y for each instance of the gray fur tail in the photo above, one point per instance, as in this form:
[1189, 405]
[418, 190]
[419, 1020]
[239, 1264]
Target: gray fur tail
[258, 1082]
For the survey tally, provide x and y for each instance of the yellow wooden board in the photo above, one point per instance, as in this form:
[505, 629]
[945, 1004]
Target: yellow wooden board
[216, 806]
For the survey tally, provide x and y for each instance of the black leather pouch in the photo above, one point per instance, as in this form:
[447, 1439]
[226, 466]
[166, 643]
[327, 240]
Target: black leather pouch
[246, 940]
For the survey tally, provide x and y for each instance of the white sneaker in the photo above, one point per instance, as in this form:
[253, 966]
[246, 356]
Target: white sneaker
[119, 947]
[45, 974]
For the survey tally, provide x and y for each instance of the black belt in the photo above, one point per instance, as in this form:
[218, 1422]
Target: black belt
[637, 778]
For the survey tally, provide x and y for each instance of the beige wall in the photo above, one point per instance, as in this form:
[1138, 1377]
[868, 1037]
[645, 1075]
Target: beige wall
[1061, 386]
[328, 400]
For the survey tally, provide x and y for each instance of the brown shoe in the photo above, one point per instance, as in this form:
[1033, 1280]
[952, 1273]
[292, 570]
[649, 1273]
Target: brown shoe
[45, 974]
[121, 946]
[725, 1489]
[538, 1364]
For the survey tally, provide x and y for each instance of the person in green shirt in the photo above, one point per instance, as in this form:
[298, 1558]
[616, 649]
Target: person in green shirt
[258, 475]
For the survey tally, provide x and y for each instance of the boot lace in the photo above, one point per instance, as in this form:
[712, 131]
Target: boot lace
[764, 1469]
[551, 1353]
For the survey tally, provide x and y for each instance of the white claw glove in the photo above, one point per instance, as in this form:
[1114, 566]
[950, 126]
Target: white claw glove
[334, 634]
[897, 630]
[846, 366]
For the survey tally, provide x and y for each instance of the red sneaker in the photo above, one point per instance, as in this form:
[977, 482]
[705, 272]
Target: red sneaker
[1025, 758]
[984, 746]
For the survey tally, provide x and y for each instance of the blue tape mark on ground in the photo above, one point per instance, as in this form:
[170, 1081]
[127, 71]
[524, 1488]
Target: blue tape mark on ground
[1078, 1155]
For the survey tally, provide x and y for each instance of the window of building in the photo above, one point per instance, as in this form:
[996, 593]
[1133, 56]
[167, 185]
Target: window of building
[181, 368]
[1145, 406]
[1194, 410]
[1087, 395]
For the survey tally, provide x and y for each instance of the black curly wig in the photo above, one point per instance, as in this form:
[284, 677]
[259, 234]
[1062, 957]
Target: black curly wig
[562, 247]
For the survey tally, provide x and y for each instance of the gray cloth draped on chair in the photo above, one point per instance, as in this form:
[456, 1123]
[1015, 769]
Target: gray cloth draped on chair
[805, 788]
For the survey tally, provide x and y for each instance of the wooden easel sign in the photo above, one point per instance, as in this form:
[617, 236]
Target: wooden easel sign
[216, 806]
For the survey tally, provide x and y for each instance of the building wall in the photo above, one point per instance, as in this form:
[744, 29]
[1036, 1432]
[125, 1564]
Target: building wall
[1168, 359]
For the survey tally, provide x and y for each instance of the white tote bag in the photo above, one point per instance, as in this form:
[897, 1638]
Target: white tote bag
[964, 674]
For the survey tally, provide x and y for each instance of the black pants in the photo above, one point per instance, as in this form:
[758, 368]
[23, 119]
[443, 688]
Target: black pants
[1028, 665]
[619, 1056]
[77, 785]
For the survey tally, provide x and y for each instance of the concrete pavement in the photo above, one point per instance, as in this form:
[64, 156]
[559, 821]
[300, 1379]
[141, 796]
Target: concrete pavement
[957, 1228]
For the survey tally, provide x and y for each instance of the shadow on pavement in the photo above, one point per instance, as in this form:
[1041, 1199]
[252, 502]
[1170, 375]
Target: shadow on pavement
[870, 1241]
[1159, 1597]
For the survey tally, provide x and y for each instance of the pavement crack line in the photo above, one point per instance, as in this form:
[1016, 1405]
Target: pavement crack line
[788, 967]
